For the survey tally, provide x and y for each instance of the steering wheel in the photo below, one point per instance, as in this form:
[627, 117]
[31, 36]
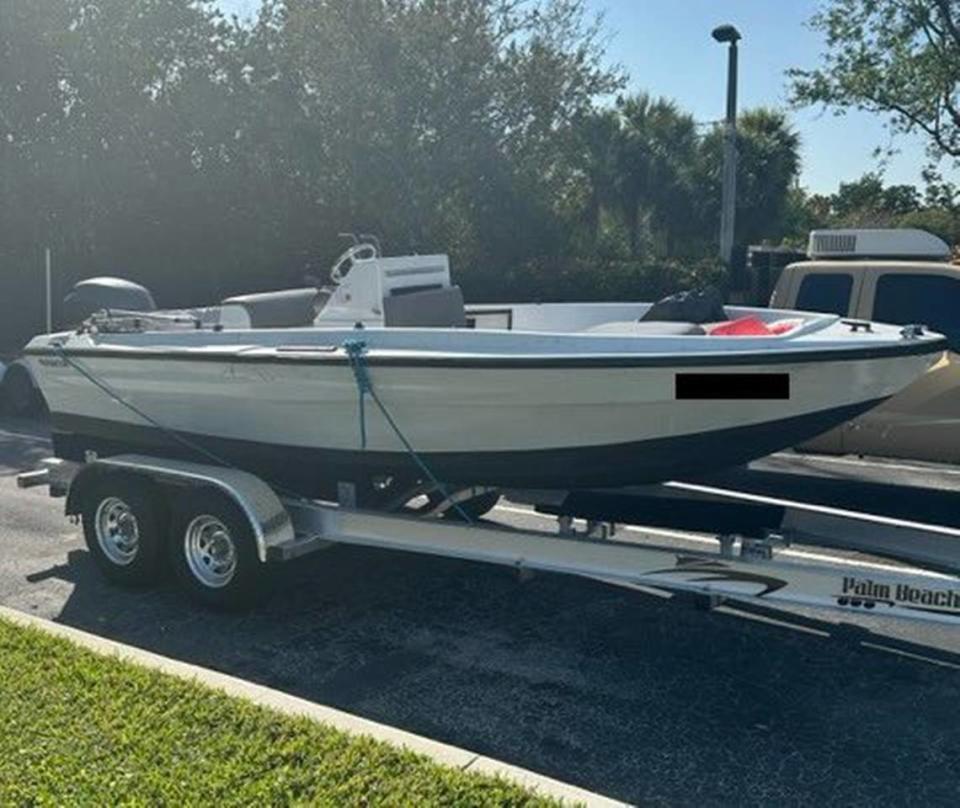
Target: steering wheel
[355, 253]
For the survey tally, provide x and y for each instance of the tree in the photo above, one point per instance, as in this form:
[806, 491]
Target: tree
[862, 197]
[108, 137]
[939, 221]
[899, 58]
[768, 162]
[867, 202]
[160, 141]
[595, 156]
[644, 162]
[432, 123]
[657, 148]
[634, 162]
[804, 212]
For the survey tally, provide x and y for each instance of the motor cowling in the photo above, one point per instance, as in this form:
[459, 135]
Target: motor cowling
[94, 294]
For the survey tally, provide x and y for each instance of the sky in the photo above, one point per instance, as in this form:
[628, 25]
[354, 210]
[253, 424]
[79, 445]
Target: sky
[666, 49]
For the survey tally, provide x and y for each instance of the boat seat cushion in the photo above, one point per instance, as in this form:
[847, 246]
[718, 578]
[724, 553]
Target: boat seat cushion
[429, 308]
[288, 308]
[653, 329]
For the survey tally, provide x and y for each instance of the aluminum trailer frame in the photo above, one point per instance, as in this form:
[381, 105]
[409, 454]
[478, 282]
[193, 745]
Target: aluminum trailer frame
[697, 507]
[763, 570]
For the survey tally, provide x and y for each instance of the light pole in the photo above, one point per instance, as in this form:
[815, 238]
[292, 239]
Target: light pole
[730, 35]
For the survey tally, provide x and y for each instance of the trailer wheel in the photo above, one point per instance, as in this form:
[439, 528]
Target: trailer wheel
[214, 555]
[124, 529]
[474, 508]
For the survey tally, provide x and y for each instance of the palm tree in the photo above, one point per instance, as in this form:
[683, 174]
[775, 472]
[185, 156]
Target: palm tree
[767, 166]
[597, 138]
[636, 161]
[656, 160]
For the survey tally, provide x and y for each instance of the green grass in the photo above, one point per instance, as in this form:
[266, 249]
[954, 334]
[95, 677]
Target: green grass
[80, 728]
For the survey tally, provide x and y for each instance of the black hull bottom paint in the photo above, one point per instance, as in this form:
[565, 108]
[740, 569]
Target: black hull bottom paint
[311, 471]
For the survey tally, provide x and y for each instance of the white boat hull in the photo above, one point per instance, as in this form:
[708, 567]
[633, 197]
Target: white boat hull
[512, 421]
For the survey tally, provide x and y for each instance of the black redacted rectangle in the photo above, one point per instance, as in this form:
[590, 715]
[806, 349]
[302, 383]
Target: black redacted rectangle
[732, 386]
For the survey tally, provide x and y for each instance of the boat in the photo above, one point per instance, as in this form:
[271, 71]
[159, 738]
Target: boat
[386, 372]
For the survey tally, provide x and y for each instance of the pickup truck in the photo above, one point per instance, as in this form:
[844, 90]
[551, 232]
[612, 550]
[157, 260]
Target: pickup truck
[891, 276]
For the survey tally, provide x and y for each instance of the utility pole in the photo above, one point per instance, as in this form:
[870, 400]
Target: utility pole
[730, 35]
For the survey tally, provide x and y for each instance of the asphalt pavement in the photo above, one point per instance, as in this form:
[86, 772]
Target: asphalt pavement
[639, 697]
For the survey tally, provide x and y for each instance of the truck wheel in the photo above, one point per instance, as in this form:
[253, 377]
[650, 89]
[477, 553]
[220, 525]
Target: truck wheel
[124, 529]
[214, 555]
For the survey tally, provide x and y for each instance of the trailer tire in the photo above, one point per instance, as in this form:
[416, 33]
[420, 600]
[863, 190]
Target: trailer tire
[475, 508]
[124, 528]
[213, 553]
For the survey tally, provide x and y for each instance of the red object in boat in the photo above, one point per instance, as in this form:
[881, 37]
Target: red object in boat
[751, 326]
[741, 327]
[783, 326]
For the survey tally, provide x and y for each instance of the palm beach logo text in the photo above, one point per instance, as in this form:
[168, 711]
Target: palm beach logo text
[902, 594]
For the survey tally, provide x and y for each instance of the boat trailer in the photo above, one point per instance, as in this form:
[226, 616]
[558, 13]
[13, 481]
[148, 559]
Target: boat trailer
[225, 529]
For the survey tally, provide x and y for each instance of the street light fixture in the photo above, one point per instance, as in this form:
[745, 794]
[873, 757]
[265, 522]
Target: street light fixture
[726, 33]
[730, 35]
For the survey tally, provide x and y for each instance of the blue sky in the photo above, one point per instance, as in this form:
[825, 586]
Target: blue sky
[665, 47]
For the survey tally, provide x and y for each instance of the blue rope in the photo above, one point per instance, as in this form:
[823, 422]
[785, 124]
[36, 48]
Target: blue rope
[172, 434]
[356, 353]
[355, 349]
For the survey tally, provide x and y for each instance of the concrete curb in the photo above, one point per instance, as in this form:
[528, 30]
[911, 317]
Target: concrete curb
[291, 705]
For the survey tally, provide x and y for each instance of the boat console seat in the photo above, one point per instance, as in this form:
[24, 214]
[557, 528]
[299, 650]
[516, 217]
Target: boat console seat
[289, 308]
[654, 328]
[429, 308]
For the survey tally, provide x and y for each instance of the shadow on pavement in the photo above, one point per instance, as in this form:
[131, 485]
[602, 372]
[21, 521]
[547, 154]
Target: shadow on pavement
[25, 442]
[631, 695]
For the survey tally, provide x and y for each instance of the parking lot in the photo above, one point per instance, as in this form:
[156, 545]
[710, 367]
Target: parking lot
[636, 696]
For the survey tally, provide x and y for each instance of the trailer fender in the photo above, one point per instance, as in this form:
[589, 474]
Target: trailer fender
[269, 519]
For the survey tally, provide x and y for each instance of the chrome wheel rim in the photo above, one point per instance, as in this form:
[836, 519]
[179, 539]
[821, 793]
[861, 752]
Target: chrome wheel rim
[210, 551]
[118, 532]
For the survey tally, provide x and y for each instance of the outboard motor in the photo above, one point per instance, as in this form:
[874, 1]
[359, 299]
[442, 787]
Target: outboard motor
[94, 294]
